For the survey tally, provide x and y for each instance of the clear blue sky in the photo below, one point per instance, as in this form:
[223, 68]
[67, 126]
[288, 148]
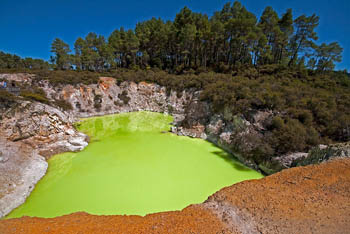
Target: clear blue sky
[27, 27]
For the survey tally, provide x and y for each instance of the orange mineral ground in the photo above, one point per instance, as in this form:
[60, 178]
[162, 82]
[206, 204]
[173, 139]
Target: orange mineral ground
[312, 199]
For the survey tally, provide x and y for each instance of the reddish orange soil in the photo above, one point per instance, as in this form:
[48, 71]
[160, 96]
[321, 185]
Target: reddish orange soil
[193, 219]
[313, 199]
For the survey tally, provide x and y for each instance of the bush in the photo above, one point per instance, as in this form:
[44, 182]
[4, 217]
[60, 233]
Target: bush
[97, 102]
[117, 103]
[277, 123]
[124, 97]
[292, 136]
[35, 94]
[6, 99]
[63, 104]
[68, 77]
[316, 155]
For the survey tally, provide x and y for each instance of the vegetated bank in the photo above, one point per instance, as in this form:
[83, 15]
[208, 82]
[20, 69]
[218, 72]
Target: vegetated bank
[270, 118]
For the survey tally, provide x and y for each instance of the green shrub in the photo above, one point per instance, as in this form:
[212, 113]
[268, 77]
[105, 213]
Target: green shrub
[98, 101]
[277, 123]
[68, 77]
[117, 103]
[6, 99]
[35, 94]
[124, 97]
[63, 104]
[292, 136]
[316, 155]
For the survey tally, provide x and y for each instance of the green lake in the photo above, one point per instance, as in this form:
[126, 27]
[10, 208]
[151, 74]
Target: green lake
[132, 166]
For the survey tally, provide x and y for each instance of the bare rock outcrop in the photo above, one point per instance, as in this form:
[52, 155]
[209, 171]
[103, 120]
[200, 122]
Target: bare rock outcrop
[21, 168]
[43, 127]
[31, 131]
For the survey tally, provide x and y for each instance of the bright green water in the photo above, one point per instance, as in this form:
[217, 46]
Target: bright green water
[130, 167]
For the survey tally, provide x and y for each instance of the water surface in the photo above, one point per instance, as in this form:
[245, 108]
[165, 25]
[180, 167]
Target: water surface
[132, 167]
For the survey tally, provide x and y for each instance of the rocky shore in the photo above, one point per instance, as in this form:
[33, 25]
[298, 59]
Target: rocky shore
[30, 133]
[37, 131]
[21, 168]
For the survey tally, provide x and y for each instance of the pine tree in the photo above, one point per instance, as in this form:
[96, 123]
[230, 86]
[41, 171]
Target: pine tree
[304, 36]
[62, 59]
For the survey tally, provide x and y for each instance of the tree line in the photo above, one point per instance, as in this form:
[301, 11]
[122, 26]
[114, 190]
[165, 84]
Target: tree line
[12, 61]
[230, 38]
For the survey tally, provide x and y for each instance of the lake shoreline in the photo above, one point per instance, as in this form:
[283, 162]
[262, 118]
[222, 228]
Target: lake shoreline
[118, 134]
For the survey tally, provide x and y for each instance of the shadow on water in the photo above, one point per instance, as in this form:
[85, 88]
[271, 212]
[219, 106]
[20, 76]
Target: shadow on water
[231, 160]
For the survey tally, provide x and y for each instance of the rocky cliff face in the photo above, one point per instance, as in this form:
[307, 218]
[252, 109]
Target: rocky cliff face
[31, 131]
[108, 97]
[43, 127]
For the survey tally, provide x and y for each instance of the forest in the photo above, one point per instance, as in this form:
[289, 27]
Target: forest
[227, 40]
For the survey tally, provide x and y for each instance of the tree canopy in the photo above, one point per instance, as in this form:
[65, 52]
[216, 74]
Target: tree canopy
[12, 61]
[230, 38]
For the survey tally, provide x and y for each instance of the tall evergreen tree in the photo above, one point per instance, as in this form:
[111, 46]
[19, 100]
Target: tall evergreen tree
[287, 29]
[270, 27]
[326, 55]
[230, 38]
[304, 36]
[61, 57]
